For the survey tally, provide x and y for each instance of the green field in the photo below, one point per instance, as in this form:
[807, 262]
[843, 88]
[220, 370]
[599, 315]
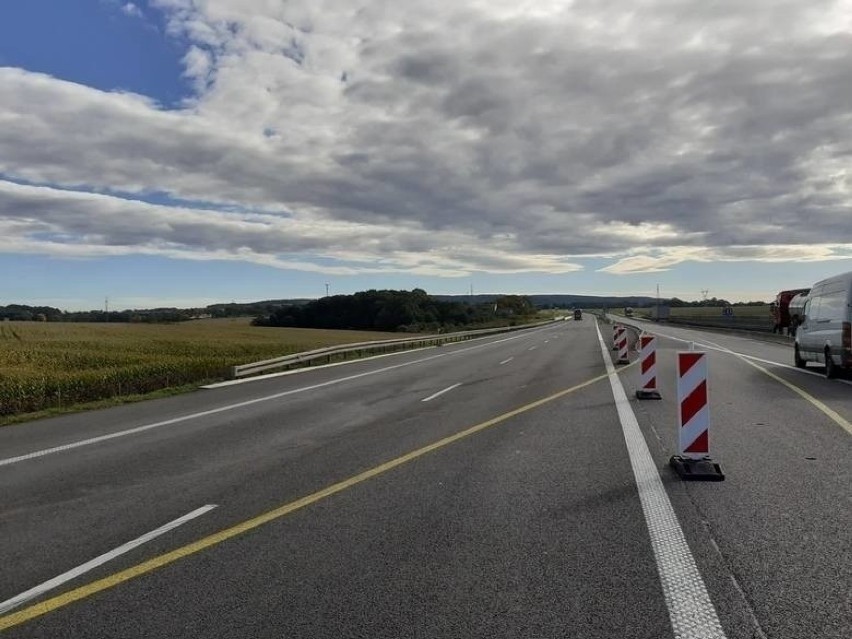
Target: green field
[52, 366]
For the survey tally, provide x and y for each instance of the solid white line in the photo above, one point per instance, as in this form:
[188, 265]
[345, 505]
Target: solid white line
[249, 402]
[773, 363]
[691, 612]
[39, 590]
[724, 349]
[440, 392]
[789, 367]
[506, 361]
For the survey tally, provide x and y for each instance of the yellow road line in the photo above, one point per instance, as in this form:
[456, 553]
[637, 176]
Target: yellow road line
[60, 601]
[831, 413]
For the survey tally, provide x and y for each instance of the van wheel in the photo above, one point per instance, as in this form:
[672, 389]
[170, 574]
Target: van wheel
[797, 358]
[830, 366]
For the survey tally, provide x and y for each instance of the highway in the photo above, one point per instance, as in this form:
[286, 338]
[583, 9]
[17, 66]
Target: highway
[505, 487]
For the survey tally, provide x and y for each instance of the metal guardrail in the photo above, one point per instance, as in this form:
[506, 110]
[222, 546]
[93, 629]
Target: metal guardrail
[404, 343]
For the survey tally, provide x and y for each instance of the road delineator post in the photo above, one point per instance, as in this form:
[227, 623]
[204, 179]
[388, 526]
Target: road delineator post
[622, 346]
[648, 368]
[693, 461]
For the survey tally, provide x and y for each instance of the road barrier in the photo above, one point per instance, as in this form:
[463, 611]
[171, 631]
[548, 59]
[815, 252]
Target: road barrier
[648, 368]
[378, 346]
[622, 345]
[693, 459]
[615, 329]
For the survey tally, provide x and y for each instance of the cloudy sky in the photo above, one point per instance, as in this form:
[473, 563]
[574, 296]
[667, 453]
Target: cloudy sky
[184, 152]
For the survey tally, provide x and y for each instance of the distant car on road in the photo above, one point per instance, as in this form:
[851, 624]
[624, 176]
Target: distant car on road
[578, 314]
[825, 334]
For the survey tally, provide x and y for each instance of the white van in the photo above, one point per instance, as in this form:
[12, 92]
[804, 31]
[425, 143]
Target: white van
[825, 335]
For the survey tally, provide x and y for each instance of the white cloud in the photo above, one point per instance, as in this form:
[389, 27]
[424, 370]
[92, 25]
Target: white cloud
[50, 221]
[131, 10]
[664, 259]
[457, 135]
[198, 64]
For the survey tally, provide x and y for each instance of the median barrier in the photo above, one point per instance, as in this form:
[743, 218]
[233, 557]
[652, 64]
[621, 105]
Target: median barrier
[693, 461]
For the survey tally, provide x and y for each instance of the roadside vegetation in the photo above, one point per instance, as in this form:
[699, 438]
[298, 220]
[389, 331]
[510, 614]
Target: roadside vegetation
[52, 366]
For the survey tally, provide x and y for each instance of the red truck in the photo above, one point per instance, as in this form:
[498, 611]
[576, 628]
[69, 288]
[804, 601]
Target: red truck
[780, 309]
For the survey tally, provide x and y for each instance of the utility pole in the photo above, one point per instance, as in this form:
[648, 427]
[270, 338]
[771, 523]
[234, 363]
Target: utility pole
[326, 289]
[657, 317]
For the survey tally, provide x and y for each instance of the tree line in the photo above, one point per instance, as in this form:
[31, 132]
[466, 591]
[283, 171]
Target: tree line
[391, 310]
[25, 313]
[710, 302]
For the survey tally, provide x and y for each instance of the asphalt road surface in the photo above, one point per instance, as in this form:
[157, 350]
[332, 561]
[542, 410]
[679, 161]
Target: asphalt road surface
[506, 487]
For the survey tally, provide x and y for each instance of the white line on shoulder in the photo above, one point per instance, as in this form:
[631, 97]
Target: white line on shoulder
[691, 612]
[50, 584]
[440, 392]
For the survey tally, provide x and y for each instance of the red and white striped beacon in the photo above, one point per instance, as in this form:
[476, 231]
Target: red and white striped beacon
[622, 346]
[648, 368]
[693, 418]
[615, 330]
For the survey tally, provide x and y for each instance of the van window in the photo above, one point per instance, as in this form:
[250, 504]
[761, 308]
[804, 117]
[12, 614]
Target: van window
[811, 309]
[832, 307]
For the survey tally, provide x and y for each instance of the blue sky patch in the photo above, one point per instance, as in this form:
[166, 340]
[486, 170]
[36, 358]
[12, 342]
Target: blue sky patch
[96, 43]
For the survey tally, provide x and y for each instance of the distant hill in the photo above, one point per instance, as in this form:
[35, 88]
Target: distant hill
[561, 301]
[267, 308]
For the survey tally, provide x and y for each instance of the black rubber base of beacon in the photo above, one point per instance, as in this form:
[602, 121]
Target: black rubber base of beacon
[704, 469]
[648, 394]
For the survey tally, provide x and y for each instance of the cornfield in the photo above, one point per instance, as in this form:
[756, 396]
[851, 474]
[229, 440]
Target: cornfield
[57, 365]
